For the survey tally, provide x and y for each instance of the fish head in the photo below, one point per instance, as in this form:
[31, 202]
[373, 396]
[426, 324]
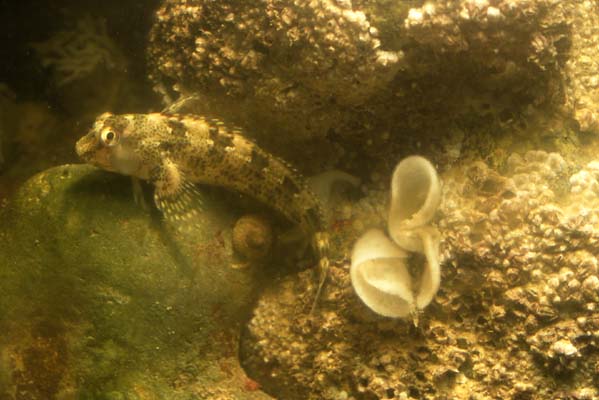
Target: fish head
[111, 144]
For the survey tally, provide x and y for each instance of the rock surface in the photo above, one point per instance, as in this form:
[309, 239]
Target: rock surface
[516, 316]
[99, 299]
[351, 80]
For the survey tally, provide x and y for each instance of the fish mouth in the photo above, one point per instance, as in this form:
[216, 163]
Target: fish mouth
[84, 149]
[91, 152]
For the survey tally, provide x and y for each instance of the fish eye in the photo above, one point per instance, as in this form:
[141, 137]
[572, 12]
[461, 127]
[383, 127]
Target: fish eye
[109, 137]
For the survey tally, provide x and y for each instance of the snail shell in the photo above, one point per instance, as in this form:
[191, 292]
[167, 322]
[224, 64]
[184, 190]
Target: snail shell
[252, 237]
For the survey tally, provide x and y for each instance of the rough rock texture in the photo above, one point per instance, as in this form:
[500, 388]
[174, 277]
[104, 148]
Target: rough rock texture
[516, 317]
[582, 84]
[98, 303]
[360, 77]
[294, 68]
[99, 300]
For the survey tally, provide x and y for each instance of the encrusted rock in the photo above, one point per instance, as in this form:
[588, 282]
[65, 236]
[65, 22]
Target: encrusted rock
[516, 308]
[108, 294]
[318, 71]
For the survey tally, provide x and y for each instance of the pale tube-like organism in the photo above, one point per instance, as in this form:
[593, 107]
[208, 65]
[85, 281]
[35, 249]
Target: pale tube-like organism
[379, 272]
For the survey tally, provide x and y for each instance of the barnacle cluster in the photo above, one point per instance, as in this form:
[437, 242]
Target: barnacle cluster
[518, 310]
[298, 64]
[367, 72]
[582, 87]
[517, 314]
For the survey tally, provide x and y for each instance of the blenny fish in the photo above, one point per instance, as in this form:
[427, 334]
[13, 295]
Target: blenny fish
[176, 152]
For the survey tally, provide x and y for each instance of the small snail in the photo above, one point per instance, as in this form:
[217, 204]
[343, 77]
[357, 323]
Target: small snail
[252, 237]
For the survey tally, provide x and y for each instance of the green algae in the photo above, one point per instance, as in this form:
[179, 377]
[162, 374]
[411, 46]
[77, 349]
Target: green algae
[101, 300]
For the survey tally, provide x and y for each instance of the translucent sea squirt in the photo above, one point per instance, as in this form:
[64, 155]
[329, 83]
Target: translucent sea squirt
[379, 272]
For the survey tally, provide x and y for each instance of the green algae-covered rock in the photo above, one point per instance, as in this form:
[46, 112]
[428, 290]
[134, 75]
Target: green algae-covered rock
[99, 299]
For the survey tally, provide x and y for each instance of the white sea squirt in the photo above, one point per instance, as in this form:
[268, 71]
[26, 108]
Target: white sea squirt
[379, 271]
[380, 276]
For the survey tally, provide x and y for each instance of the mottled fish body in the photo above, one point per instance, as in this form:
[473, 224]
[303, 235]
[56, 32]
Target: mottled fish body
[175, 152]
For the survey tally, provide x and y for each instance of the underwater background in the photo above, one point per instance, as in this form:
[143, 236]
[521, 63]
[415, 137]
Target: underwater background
[481, 280]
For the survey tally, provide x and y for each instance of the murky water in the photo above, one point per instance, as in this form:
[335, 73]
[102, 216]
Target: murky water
[431, 166]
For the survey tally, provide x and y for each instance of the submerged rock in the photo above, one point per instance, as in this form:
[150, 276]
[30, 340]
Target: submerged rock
[348, 79]
[515, 316]
[99, 299]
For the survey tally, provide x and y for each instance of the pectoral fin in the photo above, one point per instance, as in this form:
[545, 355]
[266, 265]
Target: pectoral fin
[177, 199]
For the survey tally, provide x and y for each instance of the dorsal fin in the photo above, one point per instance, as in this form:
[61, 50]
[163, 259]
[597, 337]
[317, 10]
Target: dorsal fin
[186, 104]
